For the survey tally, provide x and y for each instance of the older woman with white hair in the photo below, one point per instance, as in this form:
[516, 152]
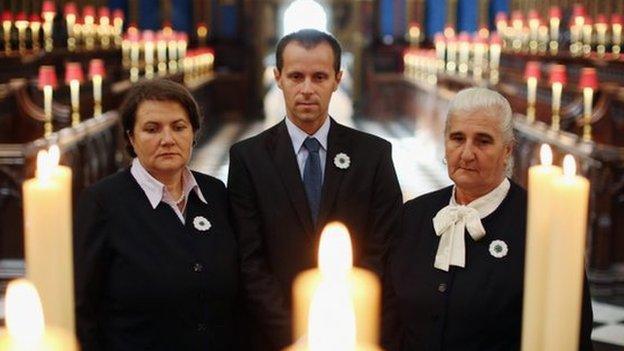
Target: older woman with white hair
[455, 273]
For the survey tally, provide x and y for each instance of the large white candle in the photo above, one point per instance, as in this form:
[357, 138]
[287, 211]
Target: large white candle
[336, 304]
[25, 323]
[568, 228]
[540, 181]
[48, 238]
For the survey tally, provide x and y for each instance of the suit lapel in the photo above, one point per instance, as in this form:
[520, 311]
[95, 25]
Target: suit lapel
[281, 150]
[337, 142]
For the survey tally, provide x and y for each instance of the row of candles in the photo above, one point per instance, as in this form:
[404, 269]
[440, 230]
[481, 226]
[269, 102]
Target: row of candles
[456, 55]
[335, 307]
[74, 77]
[538, 37]
[588, 84]
[86, 29]
[162, 52]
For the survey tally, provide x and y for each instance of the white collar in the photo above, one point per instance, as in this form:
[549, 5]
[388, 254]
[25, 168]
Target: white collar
[298, 136]
[155, 190]
[451, 222]
[487, 203]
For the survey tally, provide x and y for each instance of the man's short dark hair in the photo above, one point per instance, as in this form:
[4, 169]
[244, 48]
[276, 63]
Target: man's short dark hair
[156, 90]
[308, 38]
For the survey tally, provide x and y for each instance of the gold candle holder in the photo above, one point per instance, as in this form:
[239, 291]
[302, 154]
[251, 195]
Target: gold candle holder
[70, 21]
[479, 52]
[531, 98]
[104, 27]
[532, 74]
[74, 86]
[47, 82]
[161, 49]
[7, 24]
[464, 54]
[534, 24]
[134, 60]
[616, 30]
[97, 95]
[48, 13]
[22, 24]
[554, 22]
[73, 77]
[542, 39]
[96, 73]
[148, 44]
[182, 47]
[451, 55]
[495, 52]
[601, 35]
[125, 53]
[557, 88]
[47, 109]
[576, 30]
[517, 24]
[172, 50]
[588, 94]
[588, 30]
[89, 29]
[35, 27]
[118, 21]
[557, 79]
[589, 83]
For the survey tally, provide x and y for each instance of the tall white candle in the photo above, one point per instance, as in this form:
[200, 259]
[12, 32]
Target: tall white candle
[48, 238]
[568, 229]
[540, 181]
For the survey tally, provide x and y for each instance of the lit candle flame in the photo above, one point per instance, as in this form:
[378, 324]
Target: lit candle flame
[546, 156]
[335, 254]
[54, 155]
[331, 322]
[47, 162]
[43, 169]
[24, 313]
[569, 166]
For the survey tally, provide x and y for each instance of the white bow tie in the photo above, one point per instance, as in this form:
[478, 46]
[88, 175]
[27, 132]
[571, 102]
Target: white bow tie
[450, 223]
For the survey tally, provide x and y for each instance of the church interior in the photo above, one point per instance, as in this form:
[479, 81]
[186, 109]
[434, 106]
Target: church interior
[66, 66]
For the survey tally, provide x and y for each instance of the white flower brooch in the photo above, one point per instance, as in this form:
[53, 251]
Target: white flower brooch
[201, 223]
[342, 161]
[498, 248]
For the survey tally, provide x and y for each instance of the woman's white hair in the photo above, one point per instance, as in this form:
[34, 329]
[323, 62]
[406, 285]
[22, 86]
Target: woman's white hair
[490, 103]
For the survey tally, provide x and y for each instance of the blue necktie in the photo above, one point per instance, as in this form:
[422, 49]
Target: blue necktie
[312, 177]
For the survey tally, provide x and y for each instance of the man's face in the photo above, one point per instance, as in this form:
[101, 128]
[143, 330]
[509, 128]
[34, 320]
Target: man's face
[307, 80]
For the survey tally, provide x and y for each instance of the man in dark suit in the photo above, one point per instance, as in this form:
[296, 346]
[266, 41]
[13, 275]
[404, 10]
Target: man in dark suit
[286, 183]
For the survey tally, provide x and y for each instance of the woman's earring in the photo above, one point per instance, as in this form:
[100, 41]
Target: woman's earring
[194, 143]
[444, 160]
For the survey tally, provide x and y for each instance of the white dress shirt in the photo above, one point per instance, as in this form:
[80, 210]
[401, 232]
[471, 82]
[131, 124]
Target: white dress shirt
[298, 136]
[157, 192]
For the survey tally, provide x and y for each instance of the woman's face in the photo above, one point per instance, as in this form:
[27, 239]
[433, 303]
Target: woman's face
[476, 153]
[162, 137]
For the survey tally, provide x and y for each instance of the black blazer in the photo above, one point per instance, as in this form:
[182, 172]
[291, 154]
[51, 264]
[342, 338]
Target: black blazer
[476, 308]
[272, 219]
[145, 281]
